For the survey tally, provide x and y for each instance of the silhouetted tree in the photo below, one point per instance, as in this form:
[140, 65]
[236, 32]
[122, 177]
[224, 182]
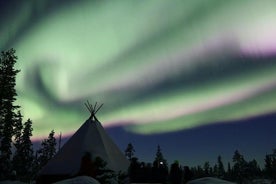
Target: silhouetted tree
[197, 172]
[160, 167]
[274, 164]
[23, 158]
[239, 168]
[103, 173]
[253, 169]
[133, 169]
[97, 168]
[18, 128]
[188, 174]
[175, 173]
[229, 167]
[215, 170]
[270, 165]
[139, 172]
[129, 151]
[206, 168]
[211, 171]
[144, 172]
[159, 158]
[7, 109]
[221, 170]
[47, 150]
[229, 173]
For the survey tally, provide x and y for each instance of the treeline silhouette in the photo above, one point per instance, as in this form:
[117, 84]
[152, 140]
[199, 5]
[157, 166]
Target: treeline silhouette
[19, 160]
[241, 171]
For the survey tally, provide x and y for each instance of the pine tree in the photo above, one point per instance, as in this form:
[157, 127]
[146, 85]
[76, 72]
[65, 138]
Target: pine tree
[18, 129]
[160, 167]
[175, 175]
[27, 148]
[270, 165]
[229, 172]
[47, 150]
[253, 169]
[274, 164]
[215, 170]
[239, 168]
[206, 168]
[159, 158]
[229, 168]
[7, 109]
[221, 170]
[211, 171]
[129, 152]
[103, 173]
[23, 158]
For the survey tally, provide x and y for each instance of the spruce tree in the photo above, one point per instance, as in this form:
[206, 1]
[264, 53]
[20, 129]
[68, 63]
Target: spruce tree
[129, 151]
[7, 109]
[229, 168]
[221, 170]
[103, 173]
[239, 168]
[274, 164]
[47, 150]
[206, 168]
[159, 158]
[270, 165]
[18, 129]
[215, 170]
[23, 158]
[253, 169]
[229, 174]
[160, 167]
[27, 149]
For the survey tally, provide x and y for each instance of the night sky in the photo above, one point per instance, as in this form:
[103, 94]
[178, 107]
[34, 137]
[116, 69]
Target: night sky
[197, 77]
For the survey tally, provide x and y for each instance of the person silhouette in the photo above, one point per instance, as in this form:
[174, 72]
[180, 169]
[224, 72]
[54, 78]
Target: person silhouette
[87, 167]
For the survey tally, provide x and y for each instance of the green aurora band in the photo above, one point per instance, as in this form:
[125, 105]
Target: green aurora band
[158, 66]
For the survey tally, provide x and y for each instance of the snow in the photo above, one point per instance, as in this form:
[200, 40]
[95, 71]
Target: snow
[11, 182]
[209, 180]
[261, 181]
[79, 180]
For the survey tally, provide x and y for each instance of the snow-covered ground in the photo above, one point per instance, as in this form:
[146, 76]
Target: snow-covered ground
[79, 180]
[89, 180]
[11, 182]
[209, 180]
[262, 181]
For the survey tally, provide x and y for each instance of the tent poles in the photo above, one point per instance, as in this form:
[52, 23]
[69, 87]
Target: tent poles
[93, 109]
[59, 142]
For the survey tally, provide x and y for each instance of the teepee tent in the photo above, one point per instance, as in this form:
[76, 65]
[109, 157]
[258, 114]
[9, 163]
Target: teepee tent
[89, 138]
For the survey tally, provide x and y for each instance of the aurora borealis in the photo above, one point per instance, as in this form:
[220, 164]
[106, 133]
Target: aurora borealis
[158, 66]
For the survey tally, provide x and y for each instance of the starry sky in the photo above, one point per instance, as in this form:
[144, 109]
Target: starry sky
[188, 75]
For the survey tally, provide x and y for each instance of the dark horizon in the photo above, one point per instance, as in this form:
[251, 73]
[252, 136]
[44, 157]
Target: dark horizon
[252, 137]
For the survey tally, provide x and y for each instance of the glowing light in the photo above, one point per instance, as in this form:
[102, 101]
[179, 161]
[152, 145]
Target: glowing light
[157, 65]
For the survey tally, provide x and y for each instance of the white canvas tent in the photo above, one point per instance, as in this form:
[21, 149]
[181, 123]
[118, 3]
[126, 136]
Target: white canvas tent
[92, 138]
